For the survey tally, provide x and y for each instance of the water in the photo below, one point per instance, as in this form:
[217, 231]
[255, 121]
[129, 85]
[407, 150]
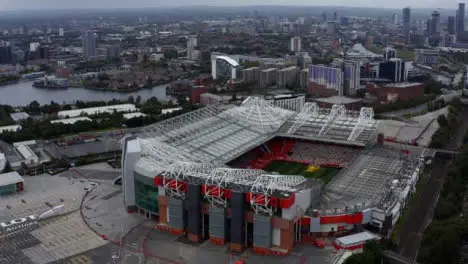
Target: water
[23, 93]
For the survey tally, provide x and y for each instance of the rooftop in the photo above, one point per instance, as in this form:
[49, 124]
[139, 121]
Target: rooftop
[10, 178]
[19, 116]
[402, 85]
[72, 120]
[337, 100]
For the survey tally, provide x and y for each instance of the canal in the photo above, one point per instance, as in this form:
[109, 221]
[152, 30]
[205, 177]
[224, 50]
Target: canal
[23, 93]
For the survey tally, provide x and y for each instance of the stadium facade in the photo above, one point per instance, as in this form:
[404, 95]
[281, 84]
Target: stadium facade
[203, 174]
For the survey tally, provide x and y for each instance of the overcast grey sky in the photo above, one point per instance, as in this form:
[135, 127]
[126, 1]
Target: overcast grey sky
[64, 4]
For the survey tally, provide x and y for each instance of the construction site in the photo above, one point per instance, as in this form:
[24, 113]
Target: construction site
[261, 176]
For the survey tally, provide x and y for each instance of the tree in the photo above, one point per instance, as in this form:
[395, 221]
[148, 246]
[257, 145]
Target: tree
[138, 100]
[34, 107]
[131, 99]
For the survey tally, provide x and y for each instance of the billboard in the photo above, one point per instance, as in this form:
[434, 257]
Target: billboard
[18, 225]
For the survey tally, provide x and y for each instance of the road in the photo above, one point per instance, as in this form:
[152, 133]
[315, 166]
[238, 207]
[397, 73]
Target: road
[421, 215]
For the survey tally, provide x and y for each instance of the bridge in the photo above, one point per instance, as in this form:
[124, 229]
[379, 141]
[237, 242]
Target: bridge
[448, 151]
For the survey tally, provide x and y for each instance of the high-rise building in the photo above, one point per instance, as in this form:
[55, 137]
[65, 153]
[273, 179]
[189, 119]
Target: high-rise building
[192, 52]
[324, 16]
[331, 27]
[406, 23]
[88, 39]
[435, 24]
[395, 19]
[296, 44]
[460, 19]
[451, 25]
[393, 69]
[335, 16]
[61, 32]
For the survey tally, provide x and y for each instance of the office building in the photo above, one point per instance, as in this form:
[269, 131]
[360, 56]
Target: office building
[61, 32]
[426, 56]
[286, 78]
[304, 78]
[406, 23]
[460, 19]
[192, 52]
[435, 25]
[395, 19]
[335, 16]
[393, 69]
[267, 77]
[6, 54]
[389, 53]
[224, 68]
[331, 27]
[89, 44]
[451, 25]
[296, 44]
[251, 75]
[325, 80]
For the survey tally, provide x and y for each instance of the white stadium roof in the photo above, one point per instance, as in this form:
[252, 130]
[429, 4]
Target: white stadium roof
[196, 146]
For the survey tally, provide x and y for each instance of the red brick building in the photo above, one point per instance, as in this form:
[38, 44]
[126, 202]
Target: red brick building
[319, 90]
[195, 93]
[396, 91]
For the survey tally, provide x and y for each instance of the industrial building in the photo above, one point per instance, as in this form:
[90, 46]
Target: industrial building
[204, 174]
[11, 183]
[69, 121]
[396, 91]
[12, 128]
[28, 154]
[97, 110]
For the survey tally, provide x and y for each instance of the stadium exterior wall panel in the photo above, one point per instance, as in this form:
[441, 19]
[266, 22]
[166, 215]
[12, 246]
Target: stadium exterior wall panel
[262, 231]
[129, 159]
[194, 209]
[176, 213]
[217, 222]
[238, 217]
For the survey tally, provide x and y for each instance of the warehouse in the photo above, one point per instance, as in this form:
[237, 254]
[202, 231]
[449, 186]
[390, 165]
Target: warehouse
[97, 110]
[70, 121]
[28, 154]
[12, 128]
[10, 183]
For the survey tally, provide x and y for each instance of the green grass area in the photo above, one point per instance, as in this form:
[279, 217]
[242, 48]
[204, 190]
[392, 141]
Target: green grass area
[291, 168]
[423, 179]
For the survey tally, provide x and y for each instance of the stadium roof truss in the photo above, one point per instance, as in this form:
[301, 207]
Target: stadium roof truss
[227, 178]
[259, 113]
[335, 124]
[264, 186]
[178, 173]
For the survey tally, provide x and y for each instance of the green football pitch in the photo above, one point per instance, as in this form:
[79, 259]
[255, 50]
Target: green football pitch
[291, 168]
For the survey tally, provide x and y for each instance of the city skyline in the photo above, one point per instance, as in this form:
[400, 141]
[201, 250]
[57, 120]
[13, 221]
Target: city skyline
[6, 5]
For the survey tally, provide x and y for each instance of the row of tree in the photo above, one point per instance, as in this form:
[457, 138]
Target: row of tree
[371, 254]
[446, 125]
[442, 239]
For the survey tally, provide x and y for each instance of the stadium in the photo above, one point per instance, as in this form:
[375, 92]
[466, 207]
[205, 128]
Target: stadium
[268, 174]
